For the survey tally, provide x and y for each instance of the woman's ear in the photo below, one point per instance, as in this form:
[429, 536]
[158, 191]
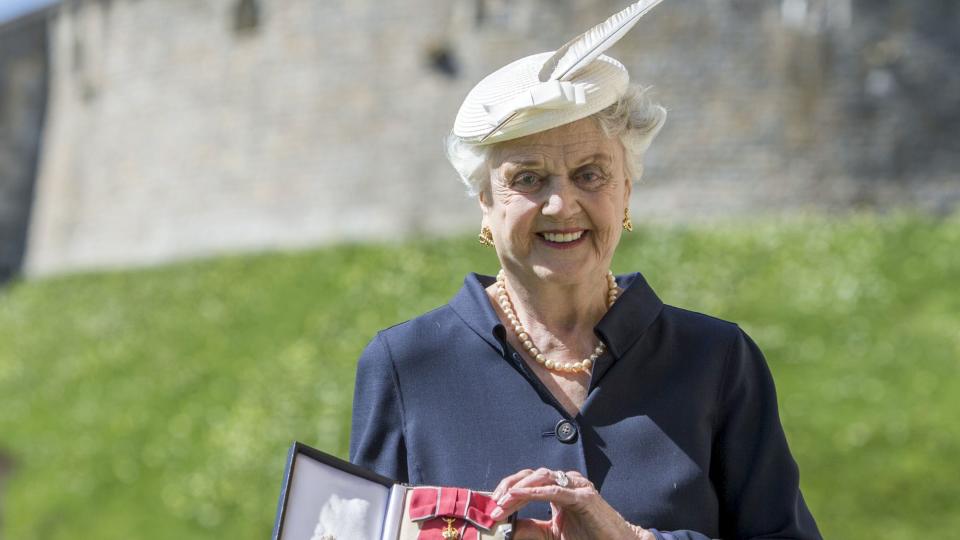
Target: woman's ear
[483, 198]
[628, 189]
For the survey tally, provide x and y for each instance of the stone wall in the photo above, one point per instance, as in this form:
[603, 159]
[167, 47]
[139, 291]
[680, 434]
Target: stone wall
[179, 128]
[23, 93]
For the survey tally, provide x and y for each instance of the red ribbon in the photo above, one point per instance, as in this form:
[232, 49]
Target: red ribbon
[470, 511]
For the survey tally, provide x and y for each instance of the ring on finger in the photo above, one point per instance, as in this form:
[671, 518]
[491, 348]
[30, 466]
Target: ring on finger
[561, 478]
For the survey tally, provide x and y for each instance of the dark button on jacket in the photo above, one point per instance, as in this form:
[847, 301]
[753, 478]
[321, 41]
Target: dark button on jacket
[566, 431]
[679, 431]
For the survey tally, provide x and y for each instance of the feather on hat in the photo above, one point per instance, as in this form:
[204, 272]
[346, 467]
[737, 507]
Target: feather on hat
[546, 90]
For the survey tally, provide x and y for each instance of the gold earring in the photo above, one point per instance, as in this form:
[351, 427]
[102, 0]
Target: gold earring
[486, 236]
[627, 224]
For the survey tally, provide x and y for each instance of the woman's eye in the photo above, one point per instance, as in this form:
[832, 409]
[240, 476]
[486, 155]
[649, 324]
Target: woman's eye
[590, 177]
[526, 180]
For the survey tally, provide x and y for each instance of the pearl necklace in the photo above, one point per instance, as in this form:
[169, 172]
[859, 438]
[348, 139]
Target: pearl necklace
[570, 367]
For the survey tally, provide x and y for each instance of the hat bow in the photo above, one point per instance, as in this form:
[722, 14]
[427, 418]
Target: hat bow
[545, 95]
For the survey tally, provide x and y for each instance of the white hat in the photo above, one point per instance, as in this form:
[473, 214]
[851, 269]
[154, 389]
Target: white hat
[550, 89]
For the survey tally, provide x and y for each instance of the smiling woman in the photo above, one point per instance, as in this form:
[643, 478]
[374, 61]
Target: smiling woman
[555, 203]
[558, 382]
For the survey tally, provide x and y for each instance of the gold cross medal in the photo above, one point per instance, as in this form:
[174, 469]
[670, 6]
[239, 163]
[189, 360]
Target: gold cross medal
[450, 533]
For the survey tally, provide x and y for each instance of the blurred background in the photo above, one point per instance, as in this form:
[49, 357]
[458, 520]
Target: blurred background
[207, 207]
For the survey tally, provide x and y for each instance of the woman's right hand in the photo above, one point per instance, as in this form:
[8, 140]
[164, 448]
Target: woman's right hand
[579, 511]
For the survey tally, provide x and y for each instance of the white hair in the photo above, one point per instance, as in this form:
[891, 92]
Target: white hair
[634, 119]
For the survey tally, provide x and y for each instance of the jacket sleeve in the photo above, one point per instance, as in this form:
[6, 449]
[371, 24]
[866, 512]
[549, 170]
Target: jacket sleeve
[377, 426]
[678, 535]
[757, 480]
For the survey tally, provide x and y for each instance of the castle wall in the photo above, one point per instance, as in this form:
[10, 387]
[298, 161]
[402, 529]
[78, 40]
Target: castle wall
[23, 93]
[179, 128]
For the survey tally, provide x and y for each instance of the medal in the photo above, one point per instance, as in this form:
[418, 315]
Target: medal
[451, 513]
[450, 533]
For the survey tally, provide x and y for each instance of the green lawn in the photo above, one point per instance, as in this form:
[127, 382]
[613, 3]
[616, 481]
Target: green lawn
[159, 404]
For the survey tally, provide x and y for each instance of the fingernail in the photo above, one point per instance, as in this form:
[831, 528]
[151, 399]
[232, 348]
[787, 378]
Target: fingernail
[495, 495]
[497, 512]
[503, 500]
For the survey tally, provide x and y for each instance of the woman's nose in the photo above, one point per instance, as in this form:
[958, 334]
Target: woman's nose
[562, 200]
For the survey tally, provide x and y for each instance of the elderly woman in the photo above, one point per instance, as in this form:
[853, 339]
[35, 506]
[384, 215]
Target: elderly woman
[576, 396]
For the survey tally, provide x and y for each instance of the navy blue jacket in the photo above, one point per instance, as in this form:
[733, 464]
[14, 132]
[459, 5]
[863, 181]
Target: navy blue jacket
[679, 432]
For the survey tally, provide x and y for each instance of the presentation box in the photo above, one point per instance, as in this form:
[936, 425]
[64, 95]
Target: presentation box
[326, 498]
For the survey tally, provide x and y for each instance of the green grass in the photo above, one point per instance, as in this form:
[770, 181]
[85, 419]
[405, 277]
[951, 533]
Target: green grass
[159, 404]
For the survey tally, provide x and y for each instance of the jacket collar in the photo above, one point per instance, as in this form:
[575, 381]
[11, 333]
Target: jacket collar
[634, 311]
[630, 316]
[473, 305]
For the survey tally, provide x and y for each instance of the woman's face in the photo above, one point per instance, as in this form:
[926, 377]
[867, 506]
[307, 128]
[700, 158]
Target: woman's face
[556, 202]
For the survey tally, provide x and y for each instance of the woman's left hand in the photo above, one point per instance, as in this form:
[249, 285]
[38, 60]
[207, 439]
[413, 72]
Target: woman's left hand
[579, 512]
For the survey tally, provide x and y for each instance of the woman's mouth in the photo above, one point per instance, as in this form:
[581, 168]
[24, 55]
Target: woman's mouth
[563, 240]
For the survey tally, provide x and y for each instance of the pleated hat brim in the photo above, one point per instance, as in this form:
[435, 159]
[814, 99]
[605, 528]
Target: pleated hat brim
[602, 82]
